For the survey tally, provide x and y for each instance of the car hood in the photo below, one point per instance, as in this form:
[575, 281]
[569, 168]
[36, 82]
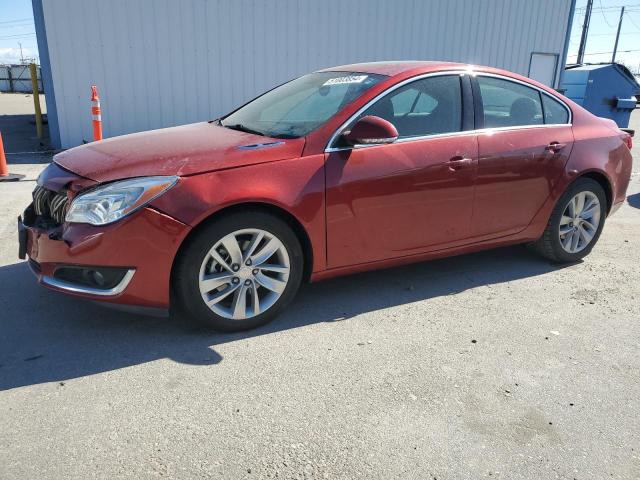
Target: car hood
[185, 150]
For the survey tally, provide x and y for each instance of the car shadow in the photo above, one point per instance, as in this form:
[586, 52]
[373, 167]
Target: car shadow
[19, 136]
[634, 200]
[46, 336]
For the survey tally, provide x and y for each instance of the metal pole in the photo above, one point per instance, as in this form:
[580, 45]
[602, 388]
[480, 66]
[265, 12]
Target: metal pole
[615, 46]
[10, 77]
[585, 31]
[36, 98]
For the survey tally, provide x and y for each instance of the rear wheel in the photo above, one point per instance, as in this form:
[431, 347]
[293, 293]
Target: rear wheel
[239, 272]
[575, 224]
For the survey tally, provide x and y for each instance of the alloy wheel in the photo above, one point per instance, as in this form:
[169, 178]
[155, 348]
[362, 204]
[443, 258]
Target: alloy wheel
[579, 222]
[244, 274]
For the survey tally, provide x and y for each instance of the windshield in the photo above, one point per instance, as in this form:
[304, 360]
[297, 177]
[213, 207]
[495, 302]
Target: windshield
[296, 108]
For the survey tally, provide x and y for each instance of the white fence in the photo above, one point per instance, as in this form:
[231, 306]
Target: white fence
[17, 78]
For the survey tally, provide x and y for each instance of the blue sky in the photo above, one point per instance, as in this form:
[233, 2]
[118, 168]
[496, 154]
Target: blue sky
[16, 25]
[602, 32]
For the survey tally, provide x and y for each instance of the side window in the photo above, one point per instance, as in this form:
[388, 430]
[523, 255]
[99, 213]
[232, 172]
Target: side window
[554, 111]
[403, 101]
[509, 104]
[413, 101]
[428, 106]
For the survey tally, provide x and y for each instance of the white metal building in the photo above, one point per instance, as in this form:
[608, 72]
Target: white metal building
[159, 63]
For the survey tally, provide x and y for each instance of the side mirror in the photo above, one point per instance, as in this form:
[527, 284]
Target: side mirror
[371, 130]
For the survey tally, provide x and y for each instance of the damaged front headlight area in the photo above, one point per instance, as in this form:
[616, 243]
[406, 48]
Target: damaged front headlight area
[111, 202]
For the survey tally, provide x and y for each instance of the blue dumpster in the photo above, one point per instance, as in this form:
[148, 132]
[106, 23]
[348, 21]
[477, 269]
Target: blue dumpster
[606, 90]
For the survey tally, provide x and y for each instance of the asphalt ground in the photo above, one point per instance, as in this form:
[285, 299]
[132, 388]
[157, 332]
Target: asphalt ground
[491, 365]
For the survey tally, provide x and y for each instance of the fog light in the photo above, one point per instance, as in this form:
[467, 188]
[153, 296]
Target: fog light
[97, 277]
[102, 278]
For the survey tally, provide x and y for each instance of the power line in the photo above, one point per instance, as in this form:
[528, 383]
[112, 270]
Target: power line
[605, 53]
[16, 20]
[604, 17]
[19, 35]
[633, 23]
[613, 33]
[610, 7]
[17, 25]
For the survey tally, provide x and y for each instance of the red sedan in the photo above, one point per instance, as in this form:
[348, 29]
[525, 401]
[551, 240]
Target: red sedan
[347, 169]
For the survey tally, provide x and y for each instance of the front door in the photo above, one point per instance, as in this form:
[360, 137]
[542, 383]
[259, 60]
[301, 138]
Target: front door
[412, 196]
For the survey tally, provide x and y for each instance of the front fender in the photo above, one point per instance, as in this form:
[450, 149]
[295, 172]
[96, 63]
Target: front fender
[296, 186]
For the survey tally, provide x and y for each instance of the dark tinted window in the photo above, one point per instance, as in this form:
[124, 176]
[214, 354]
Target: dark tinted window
[554, 111]
[429, 106]
[509, 104]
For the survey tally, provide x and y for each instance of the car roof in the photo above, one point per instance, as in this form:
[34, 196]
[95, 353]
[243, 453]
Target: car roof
[392, 68]
[409, 68]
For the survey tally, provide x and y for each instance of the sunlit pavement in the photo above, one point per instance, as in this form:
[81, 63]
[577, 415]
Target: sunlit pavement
[494, 364]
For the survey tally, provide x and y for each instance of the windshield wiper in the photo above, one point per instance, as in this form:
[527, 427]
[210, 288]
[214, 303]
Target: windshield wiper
[286, 136]
[242, 128]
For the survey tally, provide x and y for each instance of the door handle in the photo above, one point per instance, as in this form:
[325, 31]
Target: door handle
[555, 147]
[456, 163]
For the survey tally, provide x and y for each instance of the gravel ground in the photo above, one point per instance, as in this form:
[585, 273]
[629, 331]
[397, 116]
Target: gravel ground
[491, 365]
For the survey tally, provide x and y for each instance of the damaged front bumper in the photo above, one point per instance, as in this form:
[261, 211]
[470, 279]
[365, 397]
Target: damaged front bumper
[126, 263]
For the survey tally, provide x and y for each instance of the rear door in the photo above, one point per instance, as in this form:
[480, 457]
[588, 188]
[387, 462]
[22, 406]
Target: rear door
[522, 150]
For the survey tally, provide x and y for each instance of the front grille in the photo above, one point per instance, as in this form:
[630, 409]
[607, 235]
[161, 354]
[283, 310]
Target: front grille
[49, 204]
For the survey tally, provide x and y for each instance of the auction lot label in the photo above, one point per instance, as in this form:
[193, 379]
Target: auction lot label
[346, 79]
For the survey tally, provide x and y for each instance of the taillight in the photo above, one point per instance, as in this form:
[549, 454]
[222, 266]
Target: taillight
[627, 137]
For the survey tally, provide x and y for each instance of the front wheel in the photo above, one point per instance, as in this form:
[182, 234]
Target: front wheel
[575, 224]
[239, 271]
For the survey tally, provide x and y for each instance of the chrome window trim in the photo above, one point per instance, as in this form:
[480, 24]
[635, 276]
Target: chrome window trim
[480, 131]
[329, 149]
[75, 288]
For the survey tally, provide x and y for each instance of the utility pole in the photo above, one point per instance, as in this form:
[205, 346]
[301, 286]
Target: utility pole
[21, 57]
[585, 31]
[36, 98]
[615, 47]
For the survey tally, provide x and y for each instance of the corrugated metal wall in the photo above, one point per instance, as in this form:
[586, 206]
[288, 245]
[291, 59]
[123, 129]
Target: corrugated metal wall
[167, 62]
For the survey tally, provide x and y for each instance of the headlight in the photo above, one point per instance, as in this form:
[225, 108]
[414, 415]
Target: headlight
[111, 202]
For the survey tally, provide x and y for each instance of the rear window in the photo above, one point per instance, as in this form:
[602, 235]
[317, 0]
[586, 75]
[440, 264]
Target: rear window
[554, 111]
[509, 104]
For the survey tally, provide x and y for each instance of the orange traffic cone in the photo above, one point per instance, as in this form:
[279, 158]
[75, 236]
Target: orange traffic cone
[96, 115]
[5, 176]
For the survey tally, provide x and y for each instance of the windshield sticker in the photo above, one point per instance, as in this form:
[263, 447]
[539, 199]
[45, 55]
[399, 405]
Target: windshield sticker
[346, 79]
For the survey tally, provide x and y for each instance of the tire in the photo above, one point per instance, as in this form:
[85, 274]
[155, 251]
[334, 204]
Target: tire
[550, 244]
[198, 263]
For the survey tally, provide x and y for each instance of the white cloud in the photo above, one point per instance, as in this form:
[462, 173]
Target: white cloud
[12, 55]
